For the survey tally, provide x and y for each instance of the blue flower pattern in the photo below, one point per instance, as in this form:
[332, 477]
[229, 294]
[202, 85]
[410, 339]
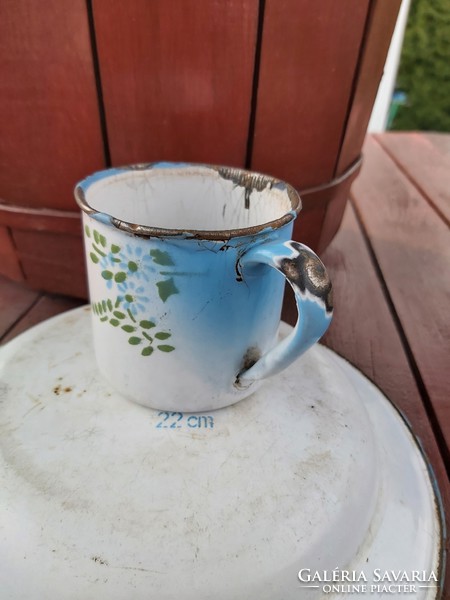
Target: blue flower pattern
[135, 257]
[134, 298]
[128, 269]
[110, 260]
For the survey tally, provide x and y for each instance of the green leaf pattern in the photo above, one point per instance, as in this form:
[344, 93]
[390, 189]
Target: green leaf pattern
[127, 269]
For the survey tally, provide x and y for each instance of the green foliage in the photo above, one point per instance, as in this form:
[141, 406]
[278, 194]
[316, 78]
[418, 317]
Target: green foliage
[147, 324]
[424, 73]
[161, 258]
[162, 335]
[120, 277]
[120, 314]
[166, 288]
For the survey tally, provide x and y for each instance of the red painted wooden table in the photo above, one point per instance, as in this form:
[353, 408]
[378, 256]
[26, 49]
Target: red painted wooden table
[390, 265]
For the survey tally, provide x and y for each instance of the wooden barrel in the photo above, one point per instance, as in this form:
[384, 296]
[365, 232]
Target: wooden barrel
[284, 87]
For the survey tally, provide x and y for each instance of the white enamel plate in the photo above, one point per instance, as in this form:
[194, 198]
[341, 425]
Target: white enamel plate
[316, 474]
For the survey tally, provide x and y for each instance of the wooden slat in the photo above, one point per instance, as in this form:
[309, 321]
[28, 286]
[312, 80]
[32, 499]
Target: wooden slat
[9, 262]
[52, 261]
[308, 225]
[41, 219]
[337, 203]
[308, 59]
[423, 161]
[364, 332]
[46, 307]
[322, 210]
[15, 300]
[441, 141]
[177, 78]
[380, 26]
[412, 246]
[49, 120]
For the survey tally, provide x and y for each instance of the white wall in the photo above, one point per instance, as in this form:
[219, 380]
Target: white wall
[380, 110]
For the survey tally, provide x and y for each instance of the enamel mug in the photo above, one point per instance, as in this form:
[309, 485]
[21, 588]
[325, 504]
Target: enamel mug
[186, 267]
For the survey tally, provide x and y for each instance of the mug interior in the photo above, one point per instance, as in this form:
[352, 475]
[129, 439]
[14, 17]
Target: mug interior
[170, 196]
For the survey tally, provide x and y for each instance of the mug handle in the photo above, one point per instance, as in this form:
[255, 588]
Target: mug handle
[314, 298]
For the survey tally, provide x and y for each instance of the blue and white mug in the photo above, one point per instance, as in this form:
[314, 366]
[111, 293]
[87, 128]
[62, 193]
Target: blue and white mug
[186, 268]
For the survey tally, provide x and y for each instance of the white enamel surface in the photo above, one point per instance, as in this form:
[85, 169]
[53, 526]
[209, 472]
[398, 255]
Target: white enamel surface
[191, 197]
[209, 304]
[316, 470]
[183, 289]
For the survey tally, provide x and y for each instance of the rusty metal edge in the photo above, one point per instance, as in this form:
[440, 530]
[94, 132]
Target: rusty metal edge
[249, 180]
